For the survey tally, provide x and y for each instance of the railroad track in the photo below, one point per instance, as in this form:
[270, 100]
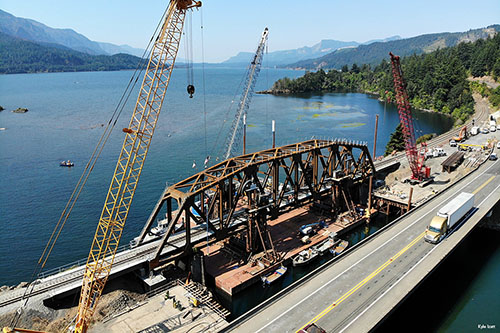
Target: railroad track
[481, 115]
[77, 276]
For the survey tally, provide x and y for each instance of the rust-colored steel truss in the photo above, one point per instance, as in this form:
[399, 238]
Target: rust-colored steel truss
[283, 177]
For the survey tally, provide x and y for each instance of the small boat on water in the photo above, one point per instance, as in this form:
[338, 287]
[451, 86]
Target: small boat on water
[67, 163]
[328, 244]
[339, 248]
[270, 278]
[305, 256]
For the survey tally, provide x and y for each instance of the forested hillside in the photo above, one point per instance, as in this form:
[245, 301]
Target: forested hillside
[373, 53]
[436, 81]
[20, 56]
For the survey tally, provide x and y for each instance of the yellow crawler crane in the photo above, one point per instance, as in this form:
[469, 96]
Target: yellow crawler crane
[128, 168]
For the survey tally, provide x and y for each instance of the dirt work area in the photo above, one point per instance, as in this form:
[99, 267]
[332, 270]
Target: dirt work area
[397, 189]
[120, 296]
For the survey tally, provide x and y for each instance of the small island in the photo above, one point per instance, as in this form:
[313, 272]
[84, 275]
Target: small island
[438, 81]
[20, 110]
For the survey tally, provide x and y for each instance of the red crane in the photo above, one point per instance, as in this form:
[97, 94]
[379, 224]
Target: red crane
[415, 156]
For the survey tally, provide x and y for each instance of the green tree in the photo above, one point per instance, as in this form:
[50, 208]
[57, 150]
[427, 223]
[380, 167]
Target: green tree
[495, 72]
[355, 69]
[396, 141]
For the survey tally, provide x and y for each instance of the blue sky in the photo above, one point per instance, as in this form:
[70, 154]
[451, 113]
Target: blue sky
[233, 26]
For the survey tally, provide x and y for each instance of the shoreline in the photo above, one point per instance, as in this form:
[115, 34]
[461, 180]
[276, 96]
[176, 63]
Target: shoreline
[366, 92]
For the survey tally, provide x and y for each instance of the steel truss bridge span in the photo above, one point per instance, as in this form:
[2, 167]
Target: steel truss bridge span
[281, 176]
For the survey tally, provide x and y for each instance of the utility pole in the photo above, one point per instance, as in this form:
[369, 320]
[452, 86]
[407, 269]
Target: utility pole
[274, 133]
[244, 133]
[374, 153]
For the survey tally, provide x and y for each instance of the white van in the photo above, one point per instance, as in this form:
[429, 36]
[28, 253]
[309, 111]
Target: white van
[438, 152]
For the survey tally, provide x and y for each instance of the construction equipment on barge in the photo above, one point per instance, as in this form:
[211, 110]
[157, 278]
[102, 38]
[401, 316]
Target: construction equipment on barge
[240, 194]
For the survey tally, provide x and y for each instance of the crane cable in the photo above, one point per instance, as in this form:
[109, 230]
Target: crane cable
[188, 49]
[86, 173]
[236, 92]
[203, 79]
[267, 76]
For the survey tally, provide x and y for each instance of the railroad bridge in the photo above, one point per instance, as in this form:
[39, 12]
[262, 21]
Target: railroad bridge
[332, 173]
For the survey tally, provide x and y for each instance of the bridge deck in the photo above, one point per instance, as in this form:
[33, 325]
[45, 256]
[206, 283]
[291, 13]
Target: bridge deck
[363, 286]
[71, 279]
[231, 276]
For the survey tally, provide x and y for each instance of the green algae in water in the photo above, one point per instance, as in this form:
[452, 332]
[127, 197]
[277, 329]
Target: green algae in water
[327, 114]
[351, 125]
[317, 106]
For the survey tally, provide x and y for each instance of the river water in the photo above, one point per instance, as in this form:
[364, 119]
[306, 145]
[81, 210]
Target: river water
[67, 110]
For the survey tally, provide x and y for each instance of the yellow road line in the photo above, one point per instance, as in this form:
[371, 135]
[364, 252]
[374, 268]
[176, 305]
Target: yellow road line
[484, 184]
[378, 270]
[363, 282]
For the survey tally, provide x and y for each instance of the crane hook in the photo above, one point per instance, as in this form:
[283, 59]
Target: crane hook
[190, 90]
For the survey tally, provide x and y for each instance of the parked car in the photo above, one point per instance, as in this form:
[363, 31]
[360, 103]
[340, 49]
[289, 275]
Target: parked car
[493, 128]
[484, 130]
[453, 143]
[498, 127]
[438, 152]
[493, 157]
[498, 145]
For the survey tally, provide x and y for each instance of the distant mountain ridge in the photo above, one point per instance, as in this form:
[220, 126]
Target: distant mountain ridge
[37, 32]
[374, 53]
[277, 58]
[21, 56]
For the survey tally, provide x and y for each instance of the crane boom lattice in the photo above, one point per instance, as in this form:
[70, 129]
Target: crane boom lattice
[415, 157]
[231, 148]
[131, 160]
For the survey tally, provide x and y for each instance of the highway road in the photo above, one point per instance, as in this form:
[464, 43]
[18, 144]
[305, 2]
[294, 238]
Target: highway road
[360, 289]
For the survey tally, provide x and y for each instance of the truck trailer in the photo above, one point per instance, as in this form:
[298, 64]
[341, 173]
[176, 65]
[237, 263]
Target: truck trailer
[448, 217]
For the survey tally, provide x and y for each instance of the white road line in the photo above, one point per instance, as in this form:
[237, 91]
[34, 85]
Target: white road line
[402, 277]
[382, 245]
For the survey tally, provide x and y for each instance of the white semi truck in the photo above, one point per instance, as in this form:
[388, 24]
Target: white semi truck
[448, 217]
